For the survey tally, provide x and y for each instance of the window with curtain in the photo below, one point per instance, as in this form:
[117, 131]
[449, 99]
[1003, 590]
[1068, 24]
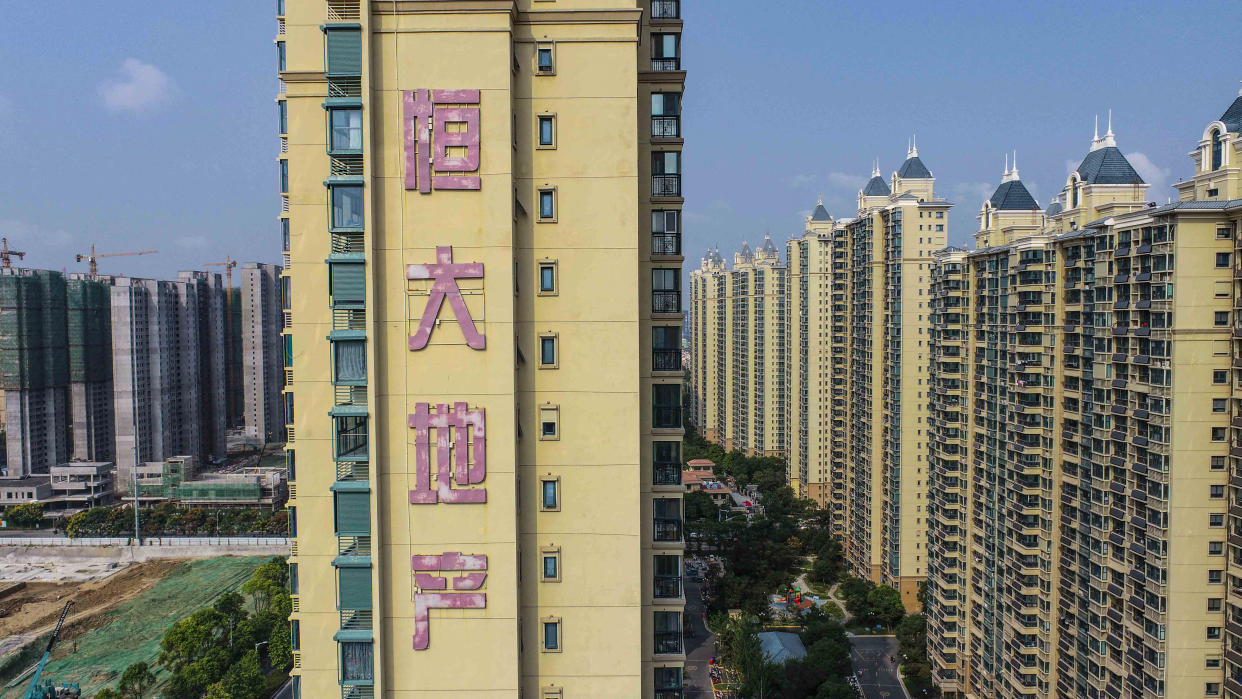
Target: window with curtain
[346, 130]
[357, 662]
[351, 361]
[347, 206]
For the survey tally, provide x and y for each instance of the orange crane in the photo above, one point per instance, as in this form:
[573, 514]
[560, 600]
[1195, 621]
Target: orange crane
[7, 255]
[228, 265]
[93, 256]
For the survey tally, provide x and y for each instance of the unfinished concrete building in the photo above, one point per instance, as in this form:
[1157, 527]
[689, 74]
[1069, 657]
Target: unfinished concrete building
[262, 351]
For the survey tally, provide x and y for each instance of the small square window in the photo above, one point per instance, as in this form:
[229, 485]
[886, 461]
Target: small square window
[1213, 632]
[1216, 519]
[549, 422]
[547, 131]
[1211, 663]
[1215, 604]
[1218, 405]
[550, 565]
[551, 635]
[1222, 259]
[548, 278]
[1224, 233]
[545, 59]
[1215, 577]
[1212, 689]
[549, 354]
[549, 494]
[547, 205]
[1216, 548]
[1221, 319]
[1218, 434]
[1218, 463]
[1220, 376]
[1216, 491]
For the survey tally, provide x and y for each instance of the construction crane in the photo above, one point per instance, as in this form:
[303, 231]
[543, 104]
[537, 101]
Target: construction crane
[35, 690]
[93, 256]
[228, 265]
[7, 255]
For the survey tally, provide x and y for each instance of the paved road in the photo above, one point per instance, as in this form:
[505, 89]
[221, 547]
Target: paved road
[700, 646]
[878, 676]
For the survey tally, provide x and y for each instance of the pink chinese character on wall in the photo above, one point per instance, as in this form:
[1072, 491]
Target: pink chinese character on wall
[429, 577]
[460, 431]
[445, 272]
[428, 139]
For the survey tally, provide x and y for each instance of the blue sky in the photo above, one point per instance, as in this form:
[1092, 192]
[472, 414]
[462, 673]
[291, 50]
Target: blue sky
[141, 125]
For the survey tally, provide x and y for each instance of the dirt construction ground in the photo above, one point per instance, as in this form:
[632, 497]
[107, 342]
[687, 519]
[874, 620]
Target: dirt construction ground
[34, 609]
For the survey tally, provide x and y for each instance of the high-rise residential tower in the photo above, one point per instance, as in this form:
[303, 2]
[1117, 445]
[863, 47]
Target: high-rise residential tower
[34, 370]
[262, 351]
[167, 369]
[889, 248]
[817, 377]
[1084, 528]
[90, 368]
[483, 204]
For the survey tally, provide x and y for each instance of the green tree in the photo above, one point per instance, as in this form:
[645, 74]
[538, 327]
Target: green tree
[836, 688]
[25, 516]
[231, 607]
[886, 606]
[268, 581]
[217, 691]
[108, 693]
[699, 507]
[136, 679]
[190, 639]
[244, 680]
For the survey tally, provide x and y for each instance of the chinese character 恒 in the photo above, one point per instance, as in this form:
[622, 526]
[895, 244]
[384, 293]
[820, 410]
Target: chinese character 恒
[428, 138]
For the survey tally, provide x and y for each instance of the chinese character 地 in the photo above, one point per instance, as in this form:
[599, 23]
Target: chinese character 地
[445, 272]
[428, 577]
[428, 139]
[471, 454]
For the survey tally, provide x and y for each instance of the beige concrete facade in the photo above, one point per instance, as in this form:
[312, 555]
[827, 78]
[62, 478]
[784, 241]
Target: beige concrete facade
[739, 348]
[1090, 551]
[573, 294]
[857, 379]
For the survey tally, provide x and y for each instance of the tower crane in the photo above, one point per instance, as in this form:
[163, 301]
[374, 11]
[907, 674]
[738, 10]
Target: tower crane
[93, 256]
[7, 255]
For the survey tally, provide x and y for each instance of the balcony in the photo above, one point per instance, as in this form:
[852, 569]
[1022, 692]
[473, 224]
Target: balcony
[665, 9]
[665, 360]
[665, 126]
[666, 185]
[666, 301]
[664, 64]
[667, 529]
[666, 474]
[668, 244]
[667, 587]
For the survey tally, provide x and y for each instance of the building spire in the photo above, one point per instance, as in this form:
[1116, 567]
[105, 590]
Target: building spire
[1006, 168]
[914, 146]
[1015, 164]
[875, 171]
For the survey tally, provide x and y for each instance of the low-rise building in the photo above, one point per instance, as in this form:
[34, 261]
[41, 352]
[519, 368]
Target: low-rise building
[178, 478]
[19, 491]
[80, 485]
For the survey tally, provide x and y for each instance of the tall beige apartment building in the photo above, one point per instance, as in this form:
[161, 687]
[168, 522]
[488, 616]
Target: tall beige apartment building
[739, 323]
[1084, 485]
[484, 256]
[856, 392]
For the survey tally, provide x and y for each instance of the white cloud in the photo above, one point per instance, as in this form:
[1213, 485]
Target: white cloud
[800, 181]
[140, 87]
[973, 194]
[847, 181]
[1152, 174]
